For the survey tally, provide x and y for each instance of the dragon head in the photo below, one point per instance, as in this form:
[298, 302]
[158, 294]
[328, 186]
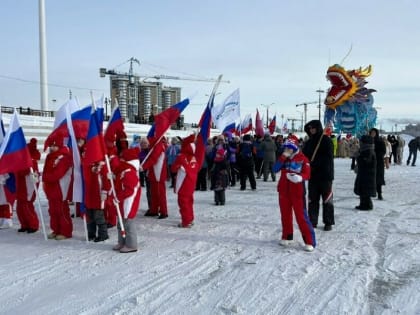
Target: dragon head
[346, 85]
[343, 86]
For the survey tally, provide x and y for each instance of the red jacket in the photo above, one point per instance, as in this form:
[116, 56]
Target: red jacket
[187, 168]
[57, 174]
[156, 163]
[25, 189]
[128, 189]
[297, 164]
[96, 185]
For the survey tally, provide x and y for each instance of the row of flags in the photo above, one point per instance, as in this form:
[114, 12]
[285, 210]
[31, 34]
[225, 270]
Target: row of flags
[73, 122]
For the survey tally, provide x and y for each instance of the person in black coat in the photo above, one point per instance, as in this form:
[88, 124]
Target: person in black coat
[365, 183]
[245, 156]
[319, 150]
[413, 146]
[380, 151]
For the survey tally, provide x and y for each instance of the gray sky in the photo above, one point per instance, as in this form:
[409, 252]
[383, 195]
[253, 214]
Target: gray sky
[274, 51]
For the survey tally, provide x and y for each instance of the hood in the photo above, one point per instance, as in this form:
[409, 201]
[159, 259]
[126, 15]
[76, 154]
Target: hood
[314, 123]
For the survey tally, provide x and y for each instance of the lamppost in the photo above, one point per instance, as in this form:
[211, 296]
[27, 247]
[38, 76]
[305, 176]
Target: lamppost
[319, 91]
[267, 107]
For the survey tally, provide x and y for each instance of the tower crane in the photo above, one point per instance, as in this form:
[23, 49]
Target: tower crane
[103, 72]
[305, 107]
[128, 93]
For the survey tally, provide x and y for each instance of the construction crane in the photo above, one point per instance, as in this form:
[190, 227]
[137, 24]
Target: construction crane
[305, 107]
[103, 72]
[127, 88]
[293, 123]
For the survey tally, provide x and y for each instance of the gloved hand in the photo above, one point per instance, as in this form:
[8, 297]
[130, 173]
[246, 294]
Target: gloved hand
[110, 176]
[104, 195]
[35, 178]
[3, 179]
[287, 153]
[116, 201]
[294, 178]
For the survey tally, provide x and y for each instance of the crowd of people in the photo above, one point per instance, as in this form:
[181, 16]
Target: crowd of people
[113, 186]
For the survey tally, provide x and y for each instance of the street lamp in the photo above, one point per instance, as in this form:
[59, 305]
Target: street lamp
[319, 91]
[267, 107]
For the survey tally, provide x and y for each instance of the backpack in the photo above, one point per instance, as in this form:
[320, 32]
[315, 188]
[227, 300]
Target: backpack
[246, 150]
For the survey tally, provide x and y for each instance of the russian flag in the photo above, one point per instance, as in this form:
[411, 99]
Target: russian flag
[272, 125]
[115, 124]
[164, 120]
[99, 112]
[14, 154]
[246, 124]
[95, 146]
[79, 118]
[259, 129]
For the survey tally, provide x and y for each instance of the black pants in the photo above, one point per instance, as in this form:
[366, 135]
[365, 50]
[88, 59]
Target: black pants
[414, 154]
[317, 190]
[96, 222]
[247, 172]
[220, 197]
[366, 203]
[201, 180]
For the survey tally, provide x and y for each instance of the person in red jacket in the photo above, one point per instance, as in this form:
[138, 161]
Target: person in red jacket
[128, 191]
[186, 166]
[295, 170]
[56, 180]
[25, 192]
[7, 199]
[156, 168]
[96, 188]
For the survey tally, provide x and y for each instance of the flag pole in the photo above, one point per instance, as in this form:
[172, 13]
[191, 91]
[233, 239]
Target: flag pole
[114, 194]
[38, 203]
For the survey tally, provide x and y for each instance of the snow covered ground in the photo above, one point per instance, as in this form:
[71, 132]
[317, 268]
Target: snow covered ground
[230, 261]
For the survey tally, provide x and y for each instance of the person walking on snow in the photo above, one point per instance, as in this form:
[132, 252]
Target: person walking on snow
[56, 180]
[295, 170]
[319, 150]
[156, 168]
[186, 166]
[25, 192]
[365, 183]
[380, 151]
[128, 191]
[413, 146]
[7, 199]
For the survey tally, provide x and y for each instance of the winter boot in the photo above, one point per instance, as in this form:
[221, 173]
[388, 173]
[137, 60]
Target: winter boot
[308, 248]
[7, 223]
[222, 197]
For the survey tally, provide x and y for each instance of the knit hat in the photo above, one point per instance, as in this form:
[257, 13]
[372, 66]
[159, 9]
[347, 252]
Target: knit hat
[292, 142]
[188, 145]
[33, 151]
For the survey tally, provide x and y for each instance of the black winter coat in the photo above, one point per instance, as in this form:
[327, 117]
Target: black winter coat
[380, 151]
[365, 183]
[322, 166]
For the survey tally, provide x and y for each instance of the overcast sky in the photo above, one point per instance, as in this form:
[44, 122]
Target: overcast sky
[274, 51]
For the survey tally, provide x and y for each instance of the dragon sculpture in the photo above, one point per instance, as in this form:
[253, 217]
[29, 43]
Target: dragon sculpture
[349, 104]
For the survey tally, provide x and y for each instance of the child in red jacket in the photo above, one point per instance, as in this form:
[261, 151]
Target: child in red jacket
[295, 170]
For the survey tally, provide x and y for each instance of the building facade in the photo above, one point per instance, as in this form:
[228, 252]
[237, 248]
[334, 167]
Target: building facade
[139, 101]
